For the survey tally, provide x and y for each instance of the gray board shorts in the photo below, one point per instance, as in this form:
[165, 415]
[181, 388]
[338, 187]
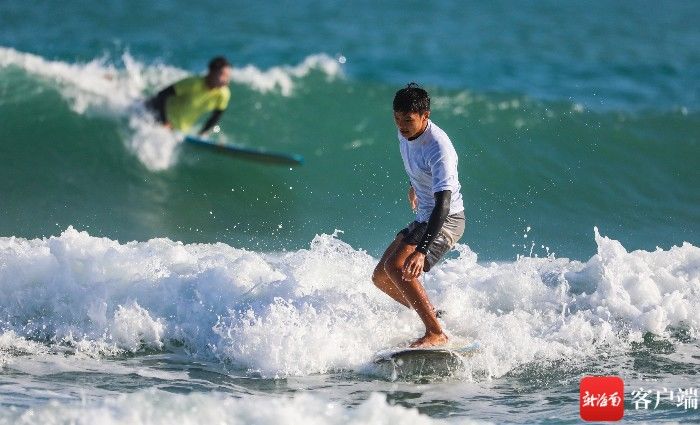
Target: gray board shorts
[449, 234]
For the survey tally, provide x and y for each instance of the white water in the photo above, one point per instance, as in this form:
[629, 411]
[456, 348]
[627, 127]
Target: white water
[315, 310]
[157, 407]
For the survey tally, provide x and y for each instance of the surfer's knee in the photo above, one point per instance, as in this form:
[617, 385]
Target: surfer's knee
[379, 275]
[393, 265]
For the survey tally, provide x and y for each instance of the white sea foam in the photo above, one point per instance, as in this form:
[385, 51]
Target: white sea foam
[315, 310]
[157, 407]
[13, 345]
[95, 86]
[282, 77]
[154, 145]
[101, 87]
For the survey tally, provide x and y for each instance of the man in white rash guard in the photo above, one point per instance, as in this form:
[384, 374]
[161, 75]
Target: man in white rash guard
[431, 163]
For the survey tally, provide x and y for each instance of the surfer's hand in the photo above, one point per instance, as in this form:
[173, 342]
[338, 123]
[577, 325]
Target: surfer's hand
[413, 266]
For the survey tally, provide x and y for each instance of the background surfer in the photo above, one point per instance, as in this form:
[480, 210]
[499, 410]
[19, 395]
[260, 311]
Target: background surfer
[431, 163]
[180, 105]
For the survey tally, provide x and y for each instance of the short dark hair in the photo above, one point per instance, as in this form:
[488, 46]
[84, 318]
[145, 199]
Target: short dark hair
[412, 98]
[218, 63]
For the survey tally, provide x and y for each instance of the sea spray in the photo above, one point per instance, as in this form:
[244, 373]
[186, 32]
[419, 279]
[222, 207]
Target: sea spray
[315, 310]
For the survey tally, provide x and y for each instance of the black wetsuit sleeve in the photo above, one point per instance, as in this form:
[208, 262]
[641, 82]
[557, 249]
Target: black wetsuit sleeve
[157, 103]
[211, 122]
[436, 220]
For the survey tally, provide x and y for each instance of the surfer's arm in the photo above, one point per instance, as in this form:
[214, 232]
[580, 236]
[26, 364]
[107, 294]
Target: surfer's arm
[412, 199]
[413, 266]
[436, 220]
[157, 103]
[211, 122]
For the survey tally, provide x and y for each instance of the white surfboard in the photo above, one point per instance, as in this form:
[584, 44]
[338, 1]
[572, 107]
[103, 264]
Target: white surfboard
[423, 362]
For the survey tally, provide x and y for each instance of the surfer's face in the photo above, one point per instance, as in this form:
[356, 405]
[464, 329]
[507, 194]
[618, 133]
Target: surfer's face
[219, 78]
[411, 124]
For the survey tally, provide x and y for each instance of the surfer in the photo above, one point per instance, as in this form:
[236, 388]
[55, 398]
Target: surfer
[434, 195]
[180, 105]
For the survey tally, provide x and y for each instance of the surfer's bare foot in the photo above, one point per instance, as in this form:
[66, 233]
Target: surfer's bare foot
[430, 340]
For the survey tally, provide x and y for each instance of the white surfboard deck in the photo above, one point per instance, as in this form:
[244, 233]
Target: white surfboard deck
[441, 352]
[406, 362]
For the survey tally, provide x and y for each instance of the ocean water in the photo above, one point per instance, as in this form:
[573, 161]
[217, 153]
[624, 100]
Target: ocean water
[144, 281]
